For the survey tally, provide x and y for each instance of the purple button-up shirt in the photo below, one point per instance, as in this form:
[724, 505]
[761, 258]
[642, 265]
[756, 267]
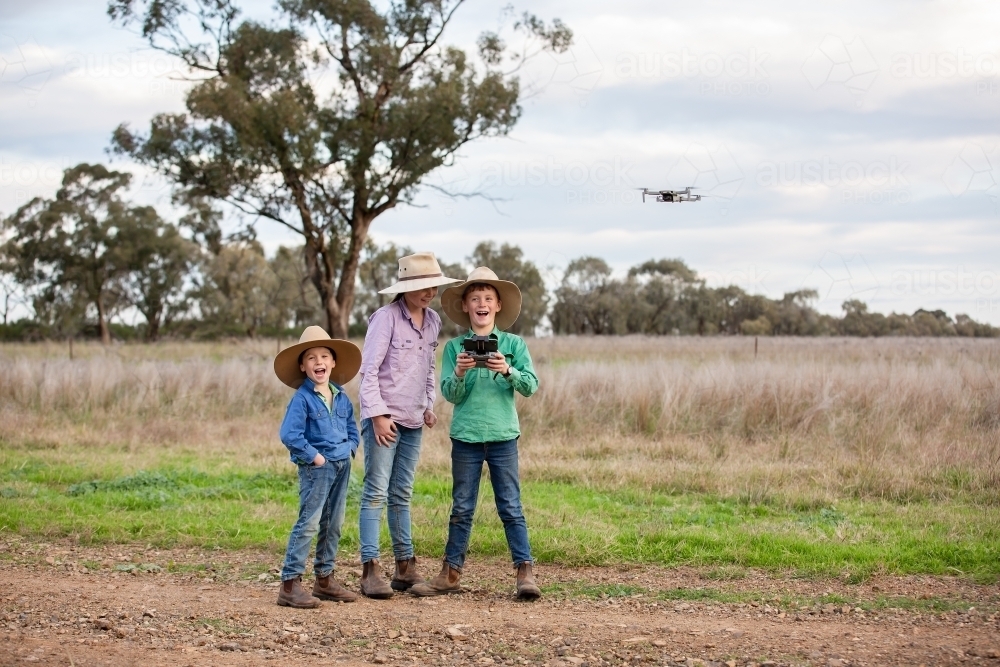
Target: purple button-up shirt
[397, 365]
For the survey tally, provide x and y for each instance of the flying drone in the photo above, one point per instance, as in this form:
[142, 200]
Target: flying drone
[671, 196]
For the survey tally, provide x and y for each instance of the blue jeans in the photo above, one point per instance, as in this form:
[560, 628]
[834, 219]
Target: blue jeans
[322, 500]
[389, 473]
[466, 471]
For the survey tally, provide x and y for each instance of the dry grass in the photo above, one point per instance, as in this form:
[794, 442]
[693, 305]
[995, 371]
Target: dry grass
[807, 421]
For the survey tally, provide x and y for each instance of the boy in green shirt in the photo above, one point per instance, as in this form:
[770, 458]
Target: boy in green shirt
[484, 425]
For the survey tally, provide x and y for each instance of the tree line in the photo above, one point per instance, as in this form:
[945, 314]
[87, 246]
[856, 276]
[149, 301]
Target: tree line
[86, 261]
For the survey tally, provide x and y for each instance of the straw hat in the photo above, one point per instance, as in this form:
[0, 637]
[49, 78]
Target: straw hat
[510, 299]
[417, 272]
[286, 364]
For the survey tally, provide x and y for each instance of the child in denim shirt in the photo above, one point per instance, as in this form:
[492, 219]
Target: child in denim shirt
[321, 437]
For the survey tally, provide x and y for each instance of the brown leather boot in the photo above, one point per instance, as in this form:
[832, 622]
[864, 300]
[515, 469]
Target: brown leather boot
[406, 574]
[372, 583]
[291, 594]
[527, 589]
[326, 588]
[445, 582]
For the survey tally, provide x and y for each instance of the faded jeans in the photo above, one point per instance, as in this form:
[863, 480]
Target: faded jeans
[322, 500]
[389, 473]
[466, 471]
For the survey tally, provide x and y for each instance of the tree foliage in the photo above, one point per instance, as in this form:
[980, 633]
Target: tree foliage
[260, 134]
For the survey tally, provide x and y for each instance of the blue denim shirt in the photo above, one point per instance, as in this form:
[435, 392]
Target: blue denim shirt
[310, 427]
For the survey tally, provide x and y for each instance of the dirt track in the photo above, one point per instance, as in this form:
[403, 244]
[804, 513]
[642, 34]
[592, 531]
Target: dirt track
[56, 612]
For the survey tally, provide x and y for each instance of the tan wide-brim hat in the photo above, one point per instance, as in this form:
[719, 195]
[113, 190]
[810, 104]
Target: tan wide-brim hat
[510, 299]
[286, 364]
[417, 272]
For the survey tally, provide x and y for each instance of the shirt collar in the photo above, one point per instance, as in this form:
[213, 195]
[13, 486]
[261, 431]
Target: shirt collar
[311, 386]
[495, 333]
[406, 313]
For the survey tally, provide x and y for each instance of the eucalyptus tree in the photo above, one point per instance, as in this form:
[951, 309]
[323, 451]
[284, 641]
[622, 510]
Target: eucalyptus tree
[67, 250]
[265, 132]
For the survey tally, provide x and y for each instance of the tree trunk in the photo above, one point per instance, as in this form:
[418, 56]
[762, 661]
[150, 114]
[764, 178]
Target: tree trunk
[102, 323]
[152, 329]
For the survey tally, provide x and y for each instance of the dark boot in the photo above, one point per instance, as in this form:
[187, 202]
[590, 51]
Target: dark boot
[291, 594]
[406, 575]
[527, 589]
[326, 588]
[373, 583]
[445, 582]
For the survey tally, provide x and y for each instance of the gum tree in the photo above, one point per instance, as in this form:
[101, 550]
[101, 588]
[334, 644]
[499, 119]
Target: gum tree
[67, 249]
[265, 132]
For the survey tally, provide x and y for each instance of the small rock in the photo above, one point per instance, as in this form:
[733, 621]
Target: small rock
[456, 633]
[392, 634]
[379, 660]
[730, 663]
[736, 633]
[303, 638]
[102, 624]
[659, 643]
[769, 663]
[573, 660]
[50, 560]
[993, 653]
[561, 651]
[230, 646]
[292, 628]
[149, 613]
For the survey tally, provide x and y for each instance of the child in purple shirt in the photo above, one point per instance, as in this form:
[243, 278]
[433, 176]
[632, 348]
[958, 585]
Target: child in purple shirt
[397, 400]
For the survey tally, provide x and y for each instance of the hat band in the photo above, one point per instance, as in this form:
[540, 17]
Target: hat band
[426, 275]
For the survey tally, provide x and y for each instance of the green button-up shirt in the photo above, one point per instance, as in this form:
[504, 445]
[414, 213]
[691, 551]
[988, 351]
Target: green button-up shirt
[484, 399]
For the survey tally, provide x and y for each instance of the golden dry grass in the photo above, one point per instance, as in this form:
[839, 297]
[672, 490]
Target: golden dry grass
[807, 421]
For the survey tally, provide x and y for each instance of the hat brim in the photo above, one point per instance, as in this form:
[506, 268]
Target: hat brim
[418, 284]
[510, 302]
[286, 363]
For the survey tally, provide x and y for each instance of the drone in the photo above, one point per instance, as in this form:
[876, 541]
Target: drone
[671, 196]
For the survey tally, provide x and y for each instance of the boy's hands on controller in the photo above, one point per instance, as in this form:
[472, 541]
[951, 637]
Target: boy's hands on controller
[385, 430]
[319, 460]
[463, 362]
[498, 364]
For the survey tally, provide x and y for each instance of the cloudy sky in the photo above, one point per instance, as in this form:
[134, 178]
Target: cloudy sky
[849, 147]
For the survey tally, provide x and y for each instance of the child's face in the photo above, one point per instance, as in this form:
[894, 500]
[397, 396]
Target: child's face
[317, 362]
[482, 305]
[420, 298]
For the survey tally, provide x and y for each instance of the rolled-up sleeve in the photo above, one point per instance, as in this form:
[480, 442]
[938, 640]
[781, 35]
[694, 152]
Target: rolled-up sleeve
[376, 346]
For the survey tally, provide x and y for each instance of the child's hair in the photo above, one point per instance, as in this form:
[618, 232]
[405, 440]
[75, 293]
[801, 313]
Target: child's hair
[303, 353]
[472, 287]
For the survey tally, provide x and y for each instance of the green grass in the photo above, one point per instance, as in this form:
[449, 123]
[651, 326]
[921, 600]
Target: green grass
[181, 503]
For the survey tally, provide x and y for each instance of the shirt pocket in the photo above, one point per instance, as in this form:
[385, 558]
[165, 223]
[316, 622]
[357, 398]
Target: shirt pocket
[321, 421]
[400, 348]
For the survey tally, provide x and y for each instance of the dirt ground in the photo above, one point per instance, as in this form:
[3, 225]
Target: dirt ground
[76, 606]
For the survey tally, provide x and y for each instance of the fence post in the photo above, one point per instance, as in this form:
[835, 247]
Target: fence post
[755, 348]
[71, 348]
